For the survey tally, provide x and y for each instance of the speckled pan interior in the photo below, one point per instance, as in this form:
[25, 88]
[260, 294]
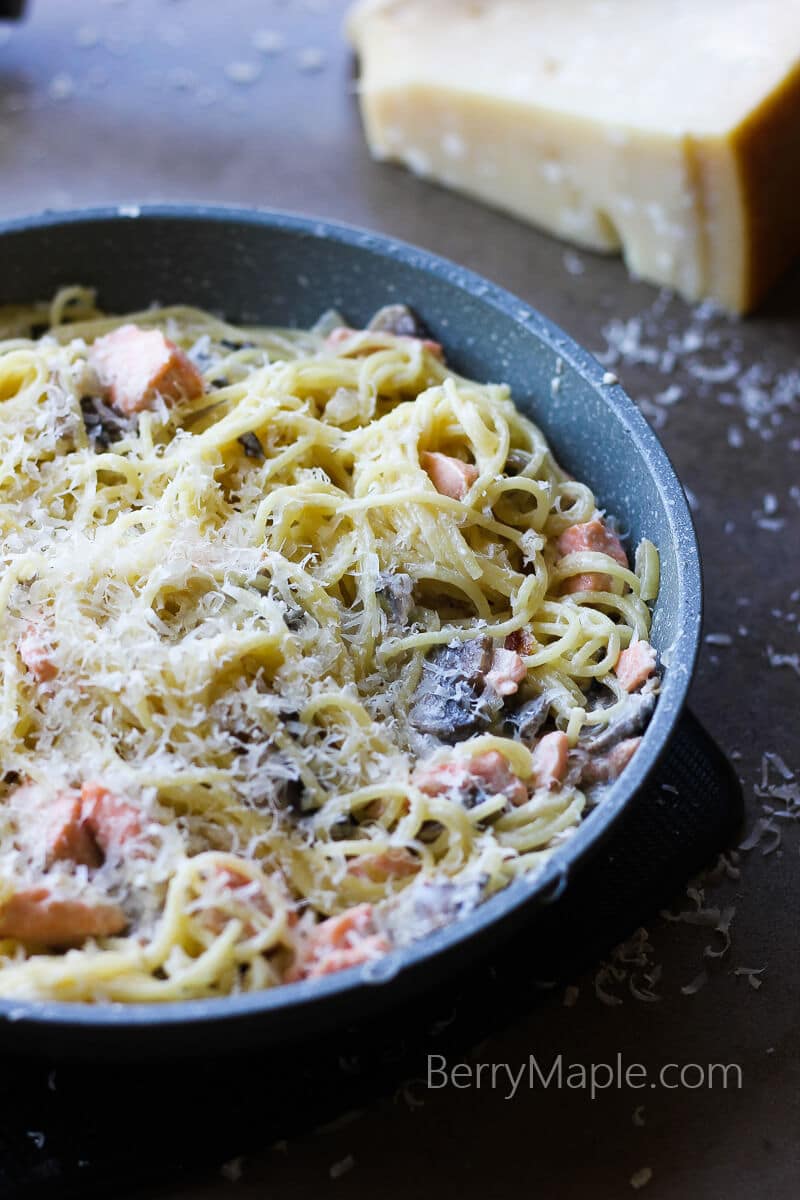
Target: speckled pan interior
[267, 267]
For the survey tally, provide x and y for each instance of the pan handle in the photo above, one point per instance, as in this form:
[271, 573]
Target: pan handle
[690, 809]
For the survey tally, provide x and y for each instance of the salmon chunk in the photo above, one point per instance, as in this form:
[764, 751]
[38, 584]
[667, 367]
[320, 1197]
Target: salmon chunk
[67, 835]
[594, 536]
[470, 781]
[521, 641]
[450, 476]
[507, 672]
[550, 760]
[635, 665]
[36, 653]
[51, 826]
[340, 942]
[391, 864]
[111, 820]
[38, 915]
[81, 827]
[135, 366]
[493, 769]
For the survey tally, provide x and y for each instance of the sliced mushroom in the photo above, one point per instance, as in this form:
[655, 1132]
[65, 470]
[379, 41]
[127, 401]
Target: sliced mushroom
[103, 425]
[524, 723]
[429, 831]
[448, 701]
[343, 828]
[468, 661]
[637, 710]
[396, 594]
[398, 319]
[605, 768]
[449, 718]
[517, 461]
[252, 446]
[289, 794]
[293, 617]
[293, 614]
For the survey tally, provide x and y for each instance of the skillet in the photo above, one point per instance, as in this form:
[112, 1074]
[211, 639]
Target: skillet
[256, 266]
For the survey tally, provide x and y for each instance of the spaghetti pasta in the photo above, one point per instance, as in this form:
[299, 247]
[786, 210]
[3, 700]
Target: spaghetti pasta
[296, 665]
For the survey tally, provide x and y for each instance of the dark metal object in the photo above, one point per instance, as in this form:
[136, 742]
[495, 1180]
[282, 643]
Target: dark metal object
[214, 257]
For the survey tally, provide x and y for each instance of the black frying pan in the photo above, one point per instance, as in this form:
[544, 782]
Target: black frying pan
[278, 269]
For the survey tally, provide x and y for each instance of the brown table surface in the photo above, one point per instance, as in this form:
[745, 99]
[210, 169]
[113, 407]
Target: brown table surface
[144, 101]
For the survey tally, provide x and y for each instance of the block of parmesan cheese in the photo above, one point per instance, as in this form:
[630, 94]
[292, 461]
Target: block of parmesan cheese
[668, 130]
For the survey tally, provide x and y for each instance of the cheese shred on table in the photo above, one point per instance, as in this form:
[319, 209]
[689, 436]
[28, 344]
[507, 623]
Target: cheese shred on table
[307, 646]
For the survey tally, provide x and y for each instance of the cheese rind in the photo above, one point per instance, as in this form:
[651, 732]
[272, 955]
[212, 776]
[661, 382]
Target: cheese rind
[666, 132]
